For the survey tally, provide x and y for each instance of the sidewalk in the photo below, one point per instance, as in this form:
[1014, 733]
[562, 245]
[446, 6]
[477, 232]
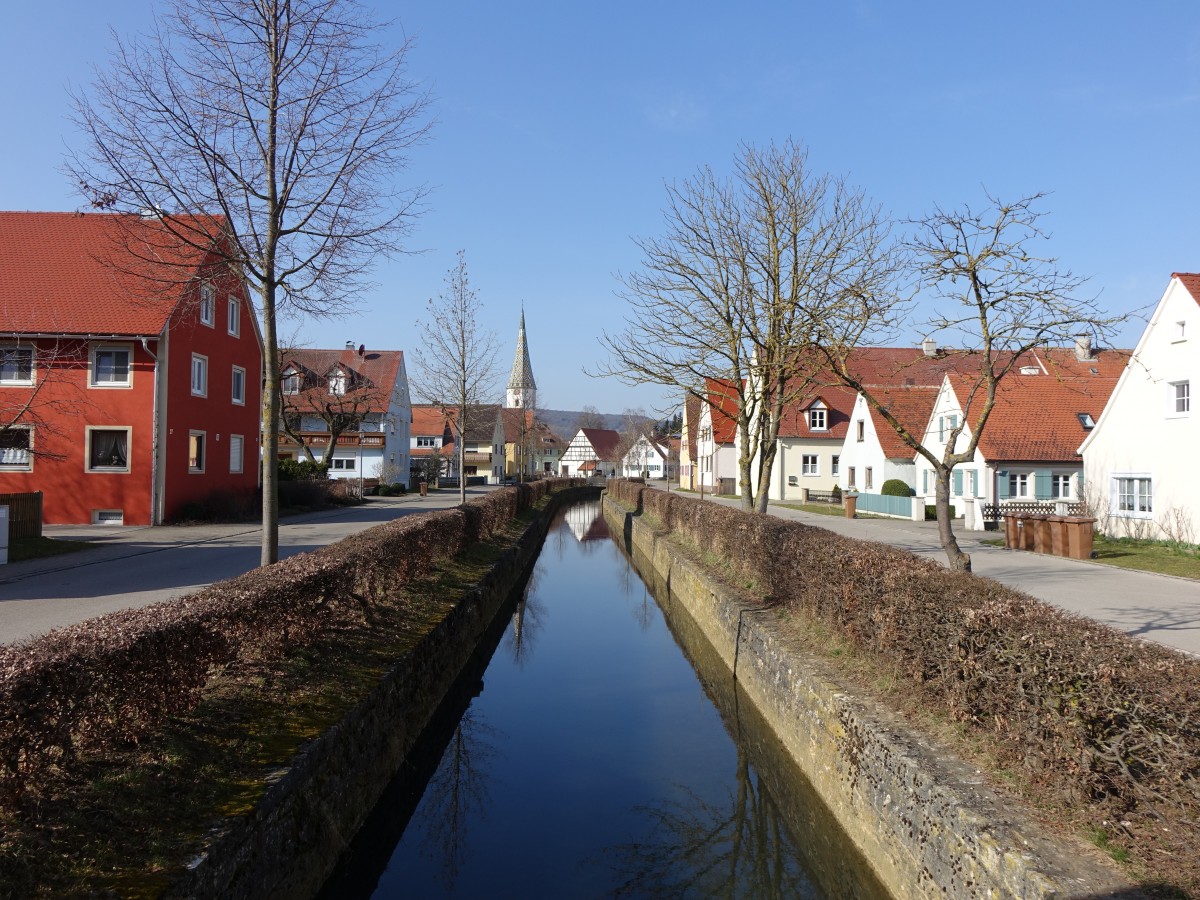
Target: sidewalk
[1160, 608]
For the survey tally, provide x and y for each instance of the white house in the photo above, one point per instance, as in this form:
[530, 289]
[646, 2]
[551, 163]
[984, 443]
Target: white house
[873, 452]
[591, 452]
[1028, 453]
[1140, 460]
[646, 458]
[364, 393]
[812, 432]
[716, 464]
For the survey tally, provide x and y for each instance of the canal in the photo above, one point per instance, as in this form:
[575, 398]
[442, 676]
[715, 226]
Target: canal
[602, 751]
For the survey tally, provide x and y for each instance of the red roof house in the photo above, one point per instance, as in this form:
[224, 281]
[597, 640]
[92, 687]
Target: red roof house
[130, 368]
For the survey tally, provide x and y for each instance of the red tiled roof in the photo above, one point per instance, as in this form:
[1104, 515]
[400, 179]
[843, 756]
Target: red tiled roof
[912, 407]
[1036, 417]
[603, 440]
[722, 400]
[89, 273]
[428, 421]
[372, 377]
[838, 402]
[1190, 281]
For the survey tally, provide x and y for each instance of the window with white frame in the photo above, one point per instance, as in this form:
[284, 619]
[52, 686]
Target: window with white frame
[1180, 331]
[16, 365]
[817, 419]
[344, 464]
[208, 304]
[199, 375]
[1018, 484]
[196, 451]
[1060, 486]
[835, 466]
[860, 431]
[16, 449]
[1179, 398]
[850, 477]
[109, 367]
[432, 442]
[809, 464]
[868, 478]
[107, 449]
[337, 382]
[1133, 495]
[236, 453]
[234, 316]
[239, 386]
[291, 382]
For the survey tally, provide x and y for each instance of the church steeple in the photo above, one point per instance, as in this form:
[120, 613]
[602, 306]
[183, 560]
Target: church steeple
[522, 389]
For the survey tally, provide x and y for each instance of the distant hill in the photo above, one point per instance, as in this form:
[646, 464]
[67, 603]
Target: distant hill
[564, 422]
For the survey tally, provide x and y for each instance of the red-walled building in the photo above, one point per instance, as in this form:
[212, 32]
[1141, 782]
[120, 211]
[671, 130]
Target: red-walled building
[130, 368]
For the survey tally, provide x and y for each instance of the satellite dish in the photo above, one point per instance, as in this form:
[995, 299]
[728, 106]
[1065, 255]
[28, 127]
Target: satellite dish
[362, 349]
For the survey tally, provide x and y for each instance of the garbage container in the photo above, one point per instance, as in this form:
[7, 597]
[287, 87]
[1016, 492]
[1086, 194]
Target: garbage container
[851, 503]
[1012, 534]
[1080, 532]
[1058, 534]
[424, 485]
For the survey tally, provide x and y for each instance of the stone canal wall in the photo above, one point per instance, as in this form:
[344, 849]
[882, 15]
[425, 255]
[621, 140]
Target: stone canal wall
[925, 822]
[290, 842]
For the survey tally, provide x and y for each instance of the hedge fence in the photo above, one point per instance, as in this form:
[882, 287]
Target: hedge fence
[1088, 712]
[112, 679]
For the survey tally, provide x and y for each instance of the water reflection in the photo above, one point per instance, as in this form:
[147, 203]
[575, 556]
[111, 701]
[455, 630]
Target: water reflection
[608, 769]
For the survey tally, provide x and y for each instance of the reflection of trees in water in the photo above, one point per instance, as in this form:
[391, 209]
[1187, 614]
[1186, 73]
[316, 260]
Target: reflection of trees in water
[698, 849]
[527, 620]
[457, 794]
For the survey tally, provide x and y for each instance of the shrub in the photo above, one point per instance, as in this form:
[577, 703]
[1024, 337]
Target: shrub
[894, 487]
[302, 470]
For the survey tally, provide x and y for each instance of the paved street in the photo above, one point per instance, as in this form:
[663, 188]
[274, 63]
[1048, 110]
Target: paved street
[1155, 607]
[133, 567]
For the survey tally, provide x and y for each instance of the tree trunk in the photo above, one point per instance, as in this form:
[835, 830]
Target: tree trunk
[462, 470]
[270, 432]
[957, 559]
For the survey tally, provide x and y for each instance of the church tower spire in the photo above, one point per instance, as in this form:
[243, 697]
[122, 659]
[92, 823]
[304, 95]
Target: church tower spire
[522, 389]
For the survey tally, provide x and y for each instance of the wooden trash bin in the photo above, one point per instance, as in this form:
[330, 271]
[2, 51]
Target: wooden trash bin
[1080, 532]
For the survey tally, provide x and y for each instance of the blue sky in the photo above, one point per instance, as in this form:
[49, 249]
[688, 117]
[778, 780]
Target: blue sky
[558, 125]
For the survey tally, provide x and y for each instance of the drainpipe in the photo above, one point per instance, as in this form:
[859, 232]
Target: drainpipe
[155, 493]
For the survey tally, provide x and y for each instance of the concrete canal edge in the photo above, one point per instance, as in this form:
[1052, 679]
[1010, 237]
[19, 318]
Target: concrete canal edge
[926, 822]
[292, 839]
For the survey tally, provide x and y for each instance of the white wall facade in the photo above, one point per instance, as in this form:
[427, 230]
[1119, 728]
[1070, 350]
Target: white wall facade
[805, 464]
[644, 456]
[1140, 461]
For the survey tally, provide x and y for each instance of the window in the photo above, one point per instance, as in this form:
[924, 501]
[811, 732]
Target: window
[1180, 331]
[850, 477]
[110, 367]
[236, 443]
[816, 418]
[859, 431]
[344, 464]
[337, 382]
[199, 375]
[15, 446]
[1018, 484]
[1086, 420]
[427, 442]
[291, 382]
[867, 478]
[1179, 398]
[196, 452]
[16, 365]
[835, 465]
[108, 449]
[239, 385]
[208, 304]
[1134, 495]
[1060, 486]
[234, 316]
[809, 464]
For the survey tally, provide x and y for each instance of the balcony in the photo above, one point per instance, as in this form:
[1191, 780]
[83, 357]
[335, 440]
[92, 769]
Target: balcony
[366, 439]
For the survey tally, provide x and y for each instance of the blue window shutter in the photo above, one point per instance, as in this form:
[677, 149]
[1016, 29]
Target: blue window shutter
[1001, 485]
[941, 428]
[958, 482]
[1079, 476]
[1041, 484]
[925, 482]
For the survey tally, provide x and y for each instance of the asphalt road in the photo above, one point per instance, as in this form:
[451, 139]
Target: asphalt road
[134, 567]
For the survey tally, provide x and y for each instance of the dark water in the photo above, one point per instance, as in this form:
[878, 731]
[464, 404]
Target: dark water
[591, 759]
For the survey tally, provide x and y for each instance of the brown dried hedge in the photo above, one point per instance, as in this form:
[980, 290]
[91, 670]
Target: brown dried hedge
[111, 679]
[1082, 709]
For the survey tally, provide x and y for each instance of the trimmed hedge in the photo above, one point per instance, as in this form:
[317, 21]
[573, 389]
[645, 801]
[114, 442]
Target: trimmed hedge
[1083, 710]
[111, 679]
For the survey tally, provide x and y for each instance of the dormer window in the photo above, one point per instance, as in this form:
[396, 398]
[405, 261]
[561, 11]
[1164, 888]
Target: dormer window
[1086, 420]
[291, 382]
[337, 382]
[817, 420]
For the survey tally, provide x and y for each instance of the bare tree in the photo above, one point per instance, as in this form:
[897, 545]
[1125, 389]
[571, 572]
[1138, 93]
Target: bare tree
[278, 122]
[42, 390]
[751, 268]
[589, 417]
[340, 405]
[1003, 300]
[457, 369]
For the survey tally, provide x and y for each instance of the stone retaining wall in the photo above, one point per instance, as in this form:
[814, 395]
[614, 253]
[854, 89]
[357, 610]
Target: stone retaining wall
[290, 842]
[925, 821]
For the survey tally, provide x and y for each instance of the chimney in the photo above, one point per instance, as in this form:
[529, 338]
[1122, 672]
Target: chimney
[350, 345]
[929, 347]
[1083, 347]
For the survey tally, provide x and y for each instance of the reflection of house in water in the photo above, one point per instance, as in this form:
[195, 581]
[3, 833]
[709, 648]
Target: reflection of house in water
[586, 521]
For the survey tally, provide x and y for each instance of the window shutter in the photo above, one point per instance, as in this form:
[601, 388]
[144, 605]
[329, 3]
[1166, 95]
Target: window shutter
[958, 482]
[925, 482]
[941, 428]
[1079, 482]
[1001, 485]
[1041, 484]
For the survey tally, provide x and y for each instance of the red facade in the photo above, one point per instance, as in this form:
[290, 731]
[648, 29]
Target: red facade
[138, 400]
